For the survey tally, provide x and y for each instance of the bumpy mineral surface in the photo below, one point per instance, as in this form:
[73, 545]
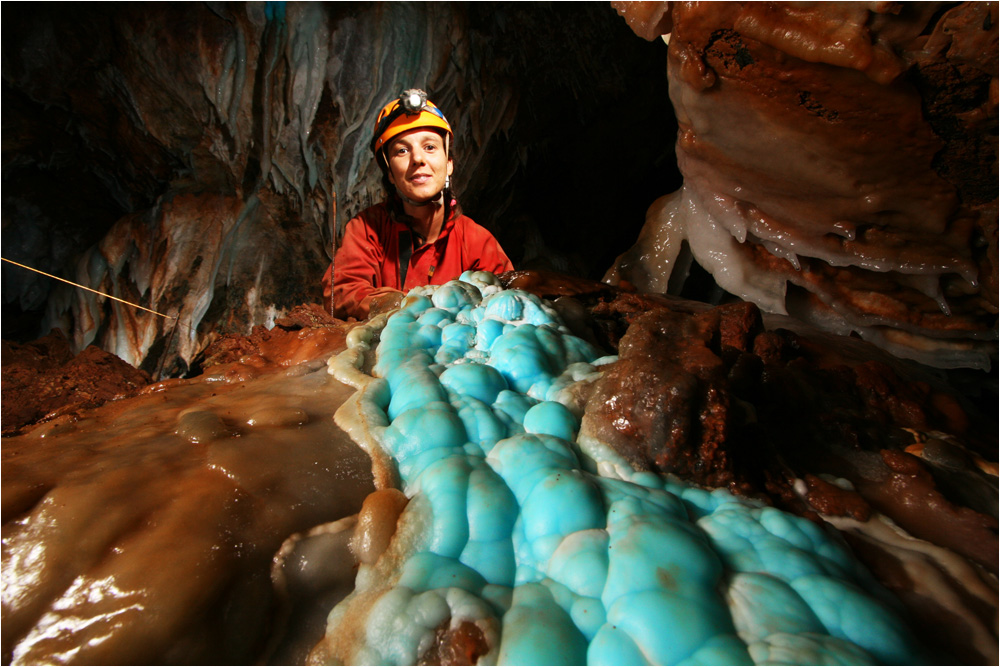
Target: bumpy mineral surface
[643, 478]
[535, 466]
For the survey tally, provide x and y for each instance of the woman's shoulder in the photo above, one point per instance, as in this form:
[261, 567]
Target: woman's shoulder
[373, 215]
[470, 226]
[374, 220]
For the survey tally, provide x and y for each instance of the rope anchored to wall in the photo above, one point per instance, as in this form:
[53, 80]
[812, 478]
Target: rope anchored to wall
[70, 282]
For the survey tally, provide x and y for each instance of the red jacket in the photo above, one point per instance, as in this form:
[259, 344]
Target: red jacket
[368, 258]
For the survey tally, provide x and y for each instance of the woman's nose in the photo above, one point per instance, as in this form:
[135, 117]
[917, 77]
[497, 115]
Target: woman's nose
[418, 156]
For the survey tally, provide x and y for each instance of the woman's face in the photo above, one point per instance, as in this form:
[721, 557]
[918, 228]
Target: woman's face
[418, 164]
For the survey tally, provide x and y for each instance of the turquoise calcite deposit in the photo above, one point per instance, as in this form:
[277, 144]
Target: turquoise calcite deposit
[550, 542]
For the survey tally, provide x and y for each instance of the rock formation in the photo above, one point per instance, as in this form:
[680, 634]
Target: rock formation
[218, 470]
[198, 159]
[839, 165]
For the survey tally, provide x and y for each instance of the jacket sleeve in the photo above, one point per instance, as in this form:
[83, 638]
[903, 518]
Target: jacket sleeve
[357, 269]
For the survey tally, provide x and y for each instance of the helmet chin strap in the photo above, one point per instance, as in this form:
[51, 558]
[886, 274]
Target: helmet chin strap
[436, 199]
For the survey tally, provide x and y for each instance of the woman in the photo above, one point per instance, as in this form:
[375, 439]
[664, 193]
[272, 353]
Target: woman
[418, 235]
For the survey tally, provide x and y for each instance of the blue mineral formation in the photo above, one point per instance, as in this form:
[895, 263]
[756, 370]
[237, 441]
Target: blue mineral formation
[547, 540]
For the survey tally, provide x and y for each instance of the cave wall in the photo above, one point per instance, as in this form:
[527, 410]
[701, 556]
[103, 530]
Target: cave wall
[196, 158]
[840, 166]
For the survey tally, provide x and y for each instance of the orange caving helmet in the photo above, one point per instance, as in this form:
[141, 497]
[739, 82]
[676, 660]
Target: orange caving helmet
[410, 111]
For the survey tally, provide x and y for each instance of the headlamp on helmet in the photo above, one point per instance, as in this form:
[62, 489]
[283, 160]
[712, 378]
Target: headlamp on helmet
[410, 111]
[413, 100]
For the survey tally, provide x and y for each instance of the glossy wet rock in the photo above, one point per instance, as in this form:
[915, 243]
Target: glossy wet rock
[144, 532]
